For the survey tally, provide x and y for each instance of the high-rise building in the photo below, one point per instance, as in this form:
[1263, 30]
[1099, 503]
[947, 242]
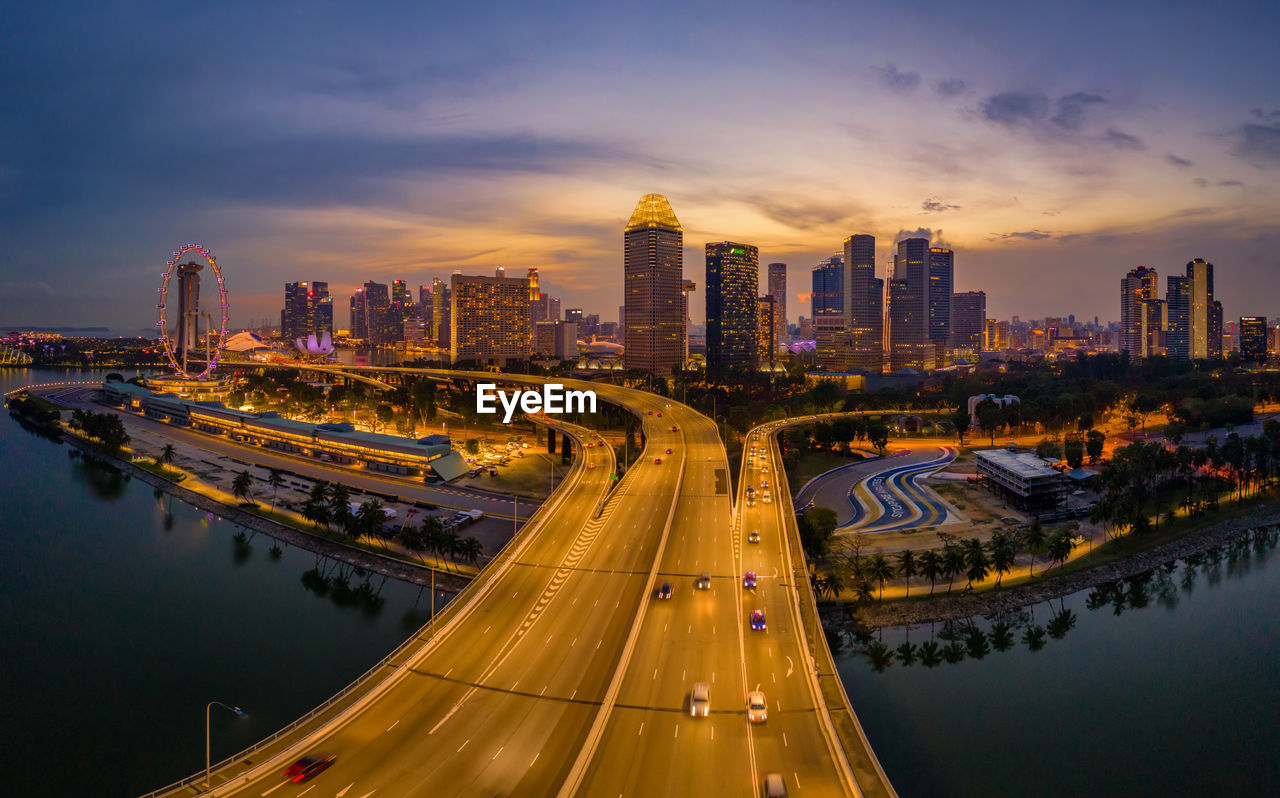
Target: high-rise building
[766, 336]
[1195, 319]
[653, 244]
[573, 314]
[942, 264]
[489, 319]
[778, 290]
[860, 344]
[308, 310]
[686, 287]
[827, 299]
[910, 345]
[733, 278]
[997, 336]
[371, 317]
[1142, 313]
[968, 321]
[1253, 338]
[441, 309]
[532, 277]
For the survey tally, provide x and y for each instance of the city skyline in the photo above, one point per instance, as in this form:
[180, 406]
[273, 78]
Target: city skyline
[1049, 172]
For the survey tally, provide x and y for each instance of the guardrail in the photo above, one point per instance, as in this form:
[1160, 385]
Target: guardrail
[422, 637]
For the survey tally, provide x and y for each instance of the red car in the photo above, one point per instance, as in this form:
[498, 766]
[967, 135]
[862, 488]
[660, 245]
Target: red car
[309, 766]
[657, 461]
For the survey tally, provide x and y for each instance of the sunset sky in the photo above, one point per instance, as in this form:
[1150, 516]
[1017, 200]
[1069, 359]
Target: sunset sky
[1054, 146]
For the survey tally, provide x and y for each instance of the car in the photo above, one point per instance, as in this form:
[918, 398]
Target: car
[757, 621]
[591, 446]
[700, 700]
[591, 465]
[668, 450]
[775, 786]
[754, 537]
[749, 581]
[674, 428]
[704, 582]
[657, 461]
[659, 415]
[764, 469]
[765, 497]
[764, 483]
[650, 412]
[664, 592]
[757, 707]
[309, 766]
[751, 491]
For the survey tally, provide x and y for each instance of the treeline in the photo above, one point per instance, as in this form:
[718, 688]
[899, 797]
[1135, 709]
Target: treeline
[1144, 482]
[106, 428]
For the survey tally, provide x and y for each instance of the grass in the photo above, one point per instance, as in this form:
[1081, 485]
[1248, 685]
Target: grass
[161, 470]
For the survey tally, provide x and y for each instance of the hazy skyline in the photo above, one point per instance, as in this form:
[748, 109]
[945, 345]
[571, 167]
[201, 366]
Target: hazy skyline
[1054, 149]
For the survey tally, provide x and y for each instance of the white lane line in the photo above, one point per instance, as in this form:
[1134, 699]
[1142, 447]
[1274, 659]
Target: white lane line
[456, 707]
[535, 758]
[464, 745]
[713, 677]
[655, 674]
[513, 687]
[791, 666]
[641, 729]
[775, 677]
[486, 629]
[797, 777]
[273, 789]
[677, 730]
[307, 790]
[495, 756]
[784, 739]
[343, 791]
[544, 691]
[598, 642]
[446, 673]
[713, 732]
[574, 643]
[392, 726]
[571, 695]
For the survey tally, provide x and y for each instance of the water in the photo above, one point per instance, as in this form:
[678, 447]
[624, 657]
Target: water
[123, 614]
[1159, 686]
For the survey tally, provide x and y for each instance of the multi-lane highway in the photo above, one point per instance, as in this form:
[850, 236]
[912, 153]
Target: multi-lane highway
[564, 673]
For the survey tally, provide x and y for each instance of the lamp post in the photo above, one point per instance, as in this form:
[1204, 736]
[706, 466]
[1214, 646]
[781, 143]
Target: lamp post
[207, 764]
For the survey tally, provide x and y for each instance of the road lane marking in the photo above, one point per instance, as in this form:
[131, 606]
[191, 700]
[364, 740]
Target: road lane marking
[343, 791]
[574, 643]
[775, 677]
[713, 732]
[535, 758]
[464, 745]
[307, 790]
[273, 789]
[495, 756]
[655, 674]
[392, 726]
[784, 739]
[677, 730]
[791, 666]
[797, 777]
[486, 629]
[641, 729]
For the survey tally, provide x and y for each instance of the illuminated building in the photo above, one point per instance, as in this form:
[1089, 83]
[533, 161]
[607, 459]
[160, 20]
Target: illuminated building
[909, 308]
[308, 310]
[1195, 319]
[733, 275]
[860, 344]
[827, 299]
[778, 290]
[489, 319]
[371, 316]
[766, 329]
[968, 321]
[941, 284]
[996, 338]
[1253, 338]
[440, 309]
[1138, 288]
[652, 265]
[686, 287]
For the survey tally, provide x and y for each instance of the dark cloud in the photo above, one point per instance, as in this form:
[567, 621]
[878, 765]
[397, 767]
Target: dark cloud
[1200, 182]
[1025, 235]
[1176, 161]
[896, 80]
[1123, 141]
[933, 205]
[800, 215]
[935, 236]
[1259, 145]
[950, 88]
[1015, 107]
[1071, 109]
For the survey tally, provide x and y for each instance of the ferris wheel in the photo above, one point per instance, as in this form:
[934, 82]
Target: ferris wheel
[189, 316]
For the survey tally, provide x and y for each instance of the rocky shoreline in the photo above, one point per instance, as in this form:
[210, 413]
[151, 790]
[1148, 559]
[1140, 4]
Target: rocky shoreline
[993, 602]
[365, 560]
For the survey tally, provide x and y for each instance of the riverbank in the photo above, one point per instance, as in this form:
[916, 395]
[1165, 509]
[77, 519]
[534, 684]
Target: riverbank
[365, 560]
[992, 602]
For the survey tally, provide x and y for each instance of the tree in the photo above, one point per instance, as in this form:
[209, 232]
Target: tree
[368, 520]
[382, 414]
[1060, 546]
[1002, 555]
[1093, 441]
[990, 417]
[240, 486]
[1073, 451]
[470, 549]
[953, 562]
[960, 420]
[167, 454]
[907, 567]
[448, 543]
[930, 567]
[316, 511]
[275, 479]
[473, 446]
[880, 570]
[878, 434]
[975, 560]
[338, 497]
[414, 541]
[1033, 539]
[816, 526]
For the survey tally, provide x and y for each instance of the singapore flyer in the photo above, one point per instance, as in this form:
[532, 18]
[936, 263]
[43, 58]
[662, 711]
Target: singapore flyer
[183, 341]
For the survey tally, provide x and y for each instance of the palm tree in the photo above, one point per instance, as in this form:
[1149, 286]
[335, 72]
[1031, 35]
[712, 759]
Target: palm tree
[1002, 554]
[952, 563]
[414, 541]
[470, 550]
[864, 592]
[167, 454]
[975, 559]
[1002, 635]
[835, 585]
[1060, 546]
[1034, 638]
[338, 497]
[930, 567]
[368, 520]
[907, 653]
[930, 654]
[448, 544]
[275, 479]
[240, 486]
[1033, 539]
[880, 570]
[907, 567]
[316, 511]
[431, 531]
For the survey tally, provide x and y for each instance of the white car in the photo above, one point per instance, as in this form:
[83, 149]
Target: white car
[757, 709]
[700, 700]
[754, 537]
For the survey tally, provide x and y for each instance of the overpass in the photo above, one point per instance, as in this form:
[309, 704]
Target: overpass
[559, 672]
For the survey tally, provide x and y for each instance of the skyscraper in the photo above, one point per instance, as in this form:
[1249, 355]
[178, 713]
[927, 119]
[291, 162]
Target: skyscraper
[652, 267]
[1195, 319]
[861, 345]
[941, 286]
[441, 309]
[909, 308]
[778, 290]
[371, 315]
[1138, 288]
[968, 321]
[733, 277]
[766, 340]
[1253, 338]
[827, 298]
[1178, 305]
[308, 310]
[686, 287]
[489, 319]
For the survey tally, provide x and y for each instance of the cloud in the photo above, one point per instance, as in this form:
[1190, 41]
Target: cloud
[1235, 183]
[1200, 182]
[932, 205]
[1123, 141]
[25, 288]
[1025, 235]
[1015, 107]
[950, 88]
[1259, 145]
[1176, 161]
[896, 80]
[1072, 107]
[800, 215]
[935, 237]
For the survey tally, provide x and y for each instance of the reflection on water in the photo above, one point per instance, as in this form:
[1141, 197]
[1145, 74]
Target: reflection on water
[1034, 627]
[103, 479]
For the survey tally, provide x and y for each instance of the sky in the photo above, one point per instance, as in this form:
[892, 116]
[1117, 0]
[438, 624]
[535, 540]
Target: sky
[1053, 146]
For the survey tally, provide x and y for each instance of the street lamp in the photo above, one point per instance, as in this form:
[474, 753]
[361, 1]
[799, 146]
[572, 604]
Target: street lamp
[237, 710]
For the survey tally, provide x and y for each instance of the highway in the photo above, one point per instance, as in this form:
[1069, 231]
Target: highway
[563, 674]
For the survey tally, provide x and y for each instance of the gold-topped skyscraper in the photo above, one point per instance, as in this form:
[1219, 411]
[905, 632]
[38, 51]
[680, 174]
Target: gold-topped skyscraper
[653, 300]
